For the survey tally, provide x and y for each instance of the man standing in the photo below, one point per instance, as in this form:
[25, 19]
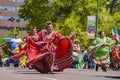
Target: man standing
[15, 49]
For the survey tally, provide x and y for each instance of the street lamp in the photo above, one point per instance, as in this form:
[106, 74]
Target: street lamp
[97, 18]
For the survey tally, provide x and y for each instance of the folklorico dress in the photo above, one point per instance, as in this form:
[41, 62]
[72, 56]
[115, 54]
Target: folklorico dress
[116, 54]
[23, 59]
[78, 57]
[60, 48]
[100, 51]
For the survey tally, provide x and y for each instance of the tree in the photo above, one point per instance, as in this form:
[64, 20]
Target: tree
[70, 15]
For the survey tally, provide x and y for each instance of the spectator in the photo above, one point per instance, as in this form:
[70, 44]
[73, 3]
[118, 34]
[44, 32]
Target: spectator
[14, 49]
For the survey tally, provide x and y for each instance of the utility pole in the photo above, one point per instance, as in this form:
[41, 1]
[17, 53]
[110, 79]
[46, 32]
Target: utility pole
[97, 18]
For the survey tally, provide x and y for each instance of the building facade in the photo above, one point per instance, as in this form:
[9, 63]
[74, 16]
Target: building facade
[9, 18]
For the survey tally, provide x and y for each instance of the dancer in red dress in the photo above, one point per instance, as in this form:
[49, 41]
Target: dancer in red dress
[58, 45]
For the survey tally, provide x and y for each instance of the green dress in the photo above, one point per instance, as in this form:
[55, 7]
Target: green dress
[101, 51]
[78, 62]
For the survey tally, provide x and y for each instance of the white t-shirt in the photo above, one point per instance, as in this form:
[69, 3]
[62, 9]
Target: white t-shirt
[17, 40]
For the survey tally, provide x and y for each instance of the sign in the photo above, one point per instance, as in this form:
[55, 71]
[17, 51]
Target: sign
[91, 27]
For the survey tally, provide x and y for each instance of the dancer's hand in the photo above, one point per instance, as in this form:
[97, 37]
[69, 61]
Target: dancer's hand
[73, 33]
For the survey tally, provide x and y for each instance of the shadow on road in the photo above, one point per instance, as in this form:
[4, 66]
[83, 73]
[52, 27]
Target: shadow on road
[114, 77]
[32, 72]
[26, 72]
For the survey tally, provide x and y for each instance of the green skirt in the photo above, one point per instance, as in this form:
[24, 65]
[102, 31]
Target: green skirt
[101, 55]
[78, 62]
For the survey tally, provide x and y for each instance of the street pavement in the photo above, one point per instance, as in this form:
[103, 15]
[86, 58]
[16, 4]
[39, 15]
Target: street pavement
[11, 73]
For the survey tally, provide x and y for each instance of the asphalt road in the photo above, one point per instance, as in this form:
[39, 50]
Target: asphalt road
[11, 73]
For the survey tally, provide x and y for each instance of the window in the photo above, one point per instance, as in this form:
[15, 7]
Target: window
[20, 0]
[19, 19]
[4, 17]
[17, 9]
[11, 9]
[12, 0]
[1, 7]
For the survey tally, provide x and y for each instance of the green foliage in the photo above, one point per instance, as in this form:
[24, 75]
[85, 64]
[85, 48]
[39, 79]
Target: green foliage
[2, 41]
[7, 52]
[71, 15]
[116, 18]
[2, 44]
[106, 22]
